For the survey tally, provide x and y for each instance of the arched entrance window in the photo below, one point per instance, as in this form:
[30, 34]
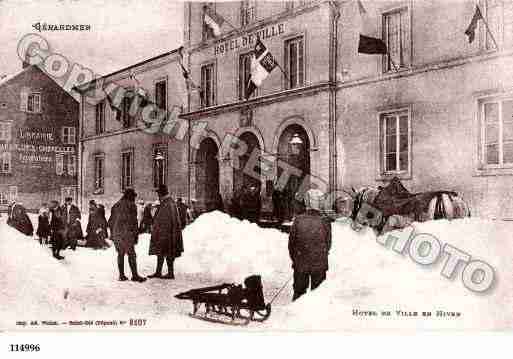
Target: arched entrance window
[293, 149]
[207, 174]
[241, 178]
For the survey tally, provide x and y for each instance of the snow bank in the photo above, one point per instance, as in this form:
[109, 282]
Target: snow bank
[367, 276]
[25, 267]
[225, 248]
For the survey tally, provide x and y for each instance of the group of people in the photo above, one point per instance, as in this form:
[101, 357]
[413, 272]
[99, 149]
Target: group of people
[165, 221]
[247, 203]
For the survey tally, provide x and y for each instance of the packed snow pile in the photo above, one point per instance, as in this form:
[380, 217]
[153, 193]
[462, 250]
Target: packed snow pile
[26, 268]
[367, 277]
[225, 248]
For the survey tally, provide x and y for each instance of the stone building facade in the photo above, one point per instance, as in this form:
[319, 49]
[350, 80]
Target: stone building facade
[38, 140]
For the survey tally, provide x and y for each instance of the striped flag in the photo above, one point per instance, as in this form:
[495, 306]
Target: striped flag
[368, 44]
[262, 63]
[188, 81]
[471, 29]
[213, 20]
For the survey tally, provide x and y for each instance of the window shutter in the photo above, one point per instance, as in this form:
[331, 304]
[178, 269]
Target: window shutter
[24, 99]
[59, 164]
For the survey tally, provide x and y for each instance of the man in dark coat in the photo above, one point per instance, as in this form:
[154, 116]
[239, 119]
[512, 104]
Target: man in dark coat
[57, 229]
[278, 198]
[96, 227]
[309, 245]
[166, 235]
[71, 216]
[124, 233]
[251, 204]
[183, 212]
[18, 219]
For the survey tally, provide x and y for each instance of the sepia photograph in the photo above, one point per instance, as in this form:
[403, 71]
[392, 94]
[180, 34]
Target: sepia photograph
[255, 166]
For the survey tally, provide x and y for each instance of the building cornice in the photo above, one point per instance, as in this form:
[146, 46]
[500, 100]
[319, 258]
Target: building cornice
[434, 66]
[259, 101]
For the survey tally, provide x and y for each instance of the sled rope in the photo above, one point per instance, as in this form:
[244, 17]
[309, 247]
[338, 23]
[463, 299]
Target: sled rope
[281, 289]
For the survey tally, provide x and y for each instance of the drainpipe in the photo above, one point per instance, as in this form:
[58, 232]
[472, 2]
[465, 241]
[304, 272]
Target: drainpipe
[333, 56]
[81, 152]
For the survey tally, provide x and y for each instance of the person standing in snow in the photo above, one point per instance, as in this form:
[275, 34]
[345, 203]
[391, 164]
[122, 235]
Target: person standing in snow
[166, 235]
[57, 229]
[309, 245]
[124, 232]
[71, 216]
[43, 224]
[184, 213]
[96, 227]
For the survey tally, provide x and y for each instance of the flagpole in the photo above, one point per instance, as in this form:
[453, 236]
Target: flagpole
[488, 28]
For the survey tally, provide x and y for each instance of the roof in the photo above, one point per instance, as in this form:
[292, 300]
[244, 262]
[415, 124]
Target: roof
[85, 86]
[6, 78]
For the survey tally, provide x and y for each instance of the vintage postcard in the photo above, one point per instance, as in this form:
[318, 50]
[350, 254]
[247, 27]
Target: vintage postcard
[305, 165]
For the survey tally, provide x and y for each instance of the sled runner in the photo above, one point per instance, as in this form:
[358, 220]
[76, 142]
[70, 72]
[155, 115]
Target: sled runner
[232, 304]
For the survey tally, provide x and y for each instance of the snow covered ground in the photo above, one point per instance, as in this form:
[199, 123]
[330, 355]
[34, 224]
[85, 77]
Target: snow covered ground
[363, 276]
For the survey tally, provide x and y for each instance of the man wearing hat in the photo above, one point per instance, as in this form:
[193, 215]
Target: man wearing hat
[166, 234]
[309, 245]
[124, 232]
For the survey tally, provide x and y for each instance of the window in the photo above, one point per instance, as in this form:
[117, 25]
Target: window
[396, 35]
[297, 3]
[34, 103]
[208, 85]
[247, 12]
[4, 198]
[244, 74]
[65, 164]
[395, 142]
[100, 118]
[497, 133]
[5, 131]
[99, 171]
[499, 17]
[159, 164]
[127, 167]
[161, 94]
[5, 162]
[68, 135]
[126, 119]
[294, 62]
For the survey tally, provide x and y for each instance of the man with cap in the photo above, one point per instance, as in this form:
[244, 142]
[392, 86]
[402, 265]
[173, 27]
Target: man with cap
[124, 232]
[166, 234]
[309, 245]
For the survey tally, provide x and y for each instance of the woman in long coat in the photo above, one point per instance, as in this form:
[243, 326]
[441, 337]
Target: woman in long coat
[19, 219]
[43, 224]
[166, 235]
[96, 227]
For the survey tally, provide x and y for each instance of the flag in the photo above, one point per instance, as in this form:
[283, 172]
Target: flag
[371, 45]
[188, 81]
[213, 20]
[471, 29]
[262, 63]
[368, 44]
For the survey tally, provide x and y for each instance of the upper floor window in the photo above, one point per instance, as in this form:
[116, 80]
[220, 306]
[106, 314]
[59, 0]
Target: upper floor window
[244, 73]
[247, 12]
[499, 17]
[294, 62]
[127, 169]
[497, 132]
[100, 118]
[161, 94]
[68, 135]
[5, 131]
[159, 165]
[126, 119]
[395, 142]
[208, 85]
[297, 3]
[34, 103]
[99, 171]
[396, 35]
[5, 162]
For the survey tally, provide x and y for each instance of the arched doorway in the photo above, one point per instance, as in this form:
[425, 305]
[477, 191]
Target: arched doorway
[207, 174]
[294, 149]
[243, 179]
